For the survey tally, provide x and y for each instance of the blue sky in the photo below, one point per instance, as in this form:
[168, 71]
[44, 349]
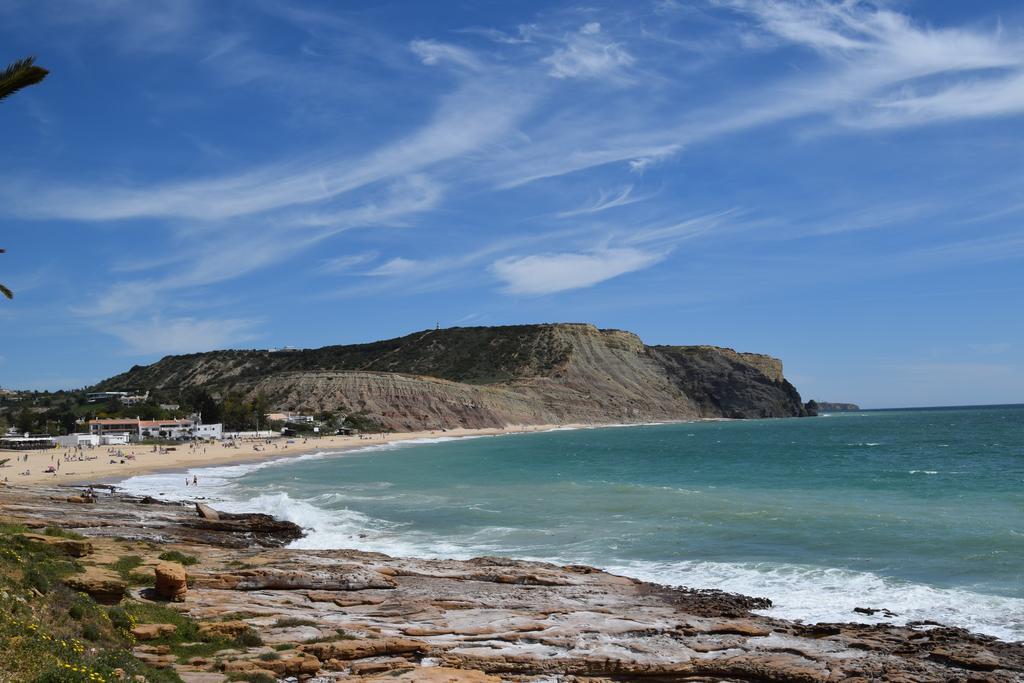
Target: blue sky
[837, 184]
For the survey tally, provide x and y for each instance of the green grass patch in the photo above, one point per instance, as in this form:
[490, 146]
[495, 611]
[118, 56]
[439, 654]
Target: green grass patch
[285, 622]
[180, 558]
[125, 564]
[251, 678]
[57, 532]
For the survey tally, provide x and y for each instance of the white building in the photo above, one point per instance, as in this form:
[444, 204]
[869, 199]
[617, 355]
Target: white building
[165, 429]
[213, 431]
[75, 440]
[114, 439]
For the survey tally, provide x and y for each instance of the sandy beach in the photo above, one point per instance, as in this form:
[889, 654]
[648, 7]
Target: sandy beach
[104, 464]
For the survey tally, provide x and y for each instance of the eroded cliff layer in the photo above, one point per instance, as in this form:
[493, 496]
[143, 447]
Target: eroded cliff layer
[492, 376]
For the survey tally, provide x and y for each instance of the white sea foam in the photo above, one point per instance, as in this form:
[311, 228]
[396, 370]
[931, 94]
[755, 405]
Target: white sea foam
[924, 472]
[815, 594]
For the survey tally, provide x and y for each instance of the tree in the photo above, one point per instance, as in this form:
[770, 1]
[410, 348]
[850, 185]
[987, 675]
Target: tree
[4, 290]
[18, 75]
[200, 401]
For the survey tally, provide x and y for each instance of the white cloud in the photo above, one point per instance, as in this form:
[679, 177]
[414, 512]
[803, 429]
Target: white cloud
[605, 201]
[432, 53]
[550, 273]
[477, 114]
[342, 264]
[400, 266]
[982, 98]
[587, 55]
[159, 336]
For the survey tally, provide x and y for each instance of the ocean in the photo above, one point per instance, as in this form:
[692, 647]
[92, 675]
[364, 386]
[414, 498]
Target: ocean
[920, 512]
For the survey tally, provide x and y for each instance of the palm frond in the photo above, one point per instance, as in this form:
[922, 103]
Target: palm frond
[4, 290]
[20, 74]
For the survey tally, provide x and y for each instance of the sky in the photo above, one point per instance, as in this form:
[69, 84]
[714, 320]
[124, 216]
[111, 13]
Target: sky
[837, 184]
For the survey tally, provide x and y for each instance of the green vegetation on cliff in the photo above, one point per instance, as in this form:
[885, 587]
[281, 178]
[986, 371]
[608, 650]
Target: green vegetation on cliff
[485, 377]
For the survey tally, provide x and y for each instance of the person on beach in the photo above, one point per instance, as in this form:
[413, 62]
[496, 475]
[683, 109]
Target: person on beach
[195, 480]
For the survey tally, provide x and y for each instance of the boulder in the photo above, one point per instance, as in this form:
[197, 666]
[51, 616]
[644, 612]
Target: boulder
[739, 627]
[361, 649]
[438, 674]
[153, 631]
[69, 546]
[967, 658]
[171, 581]
[249, 668]
[293, 664]
[207, 512]
[228, 630]
[102, 585]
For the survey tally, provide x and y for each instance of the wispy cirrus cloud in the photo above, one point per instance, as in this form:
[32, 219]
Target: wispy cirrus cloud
[344, 264]
[160, 336]
[605, 201]
[432, 52]
[582, 89]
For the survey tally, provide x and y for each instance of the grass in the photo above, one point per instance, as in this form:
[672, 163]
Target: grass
[51, 634]
[185, 642]
[251, 678]
[180, 558]
[62, 533]
[285, 622]
[126, 565]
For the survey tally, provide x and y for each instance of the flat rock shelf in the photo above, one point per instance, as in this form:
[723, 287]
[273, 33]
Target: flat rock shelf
[351, 615]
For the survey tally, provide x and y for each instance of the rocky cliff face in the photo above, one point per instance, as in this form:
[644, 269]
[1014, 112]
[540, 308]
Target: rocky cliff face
[825, 406]
[493, 376]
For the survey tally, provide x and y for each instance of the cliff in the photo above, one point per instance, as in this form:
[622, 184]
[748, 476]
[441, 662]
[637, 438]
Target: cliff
[826, 407]
[490, 377]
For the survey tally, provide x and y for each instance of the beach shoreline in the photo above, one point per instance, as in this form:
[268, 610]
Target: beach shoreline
[109, 468]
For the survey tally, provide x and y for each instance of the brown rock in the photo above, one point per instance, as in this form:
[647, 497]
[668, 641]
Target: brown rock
[330, 578]
[739, 627]
[103, 585]
[222, 629]
[439, 674]
[293, 664]
[967, 658]
[154, 660]
[153, 631]
[361, 649]
[343, 598]
[81, 499]
[250, 667]
[207, 512]
[171, 581]
[379, 666]
[69, 546]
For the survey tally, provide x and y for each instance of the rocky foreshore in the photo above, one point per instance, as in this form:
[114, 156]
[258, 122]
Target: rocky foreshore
[349, 615]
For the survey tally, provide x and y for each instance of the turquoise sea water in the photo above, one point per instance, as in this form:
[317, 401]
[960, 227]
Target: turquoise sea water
[917, 511]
